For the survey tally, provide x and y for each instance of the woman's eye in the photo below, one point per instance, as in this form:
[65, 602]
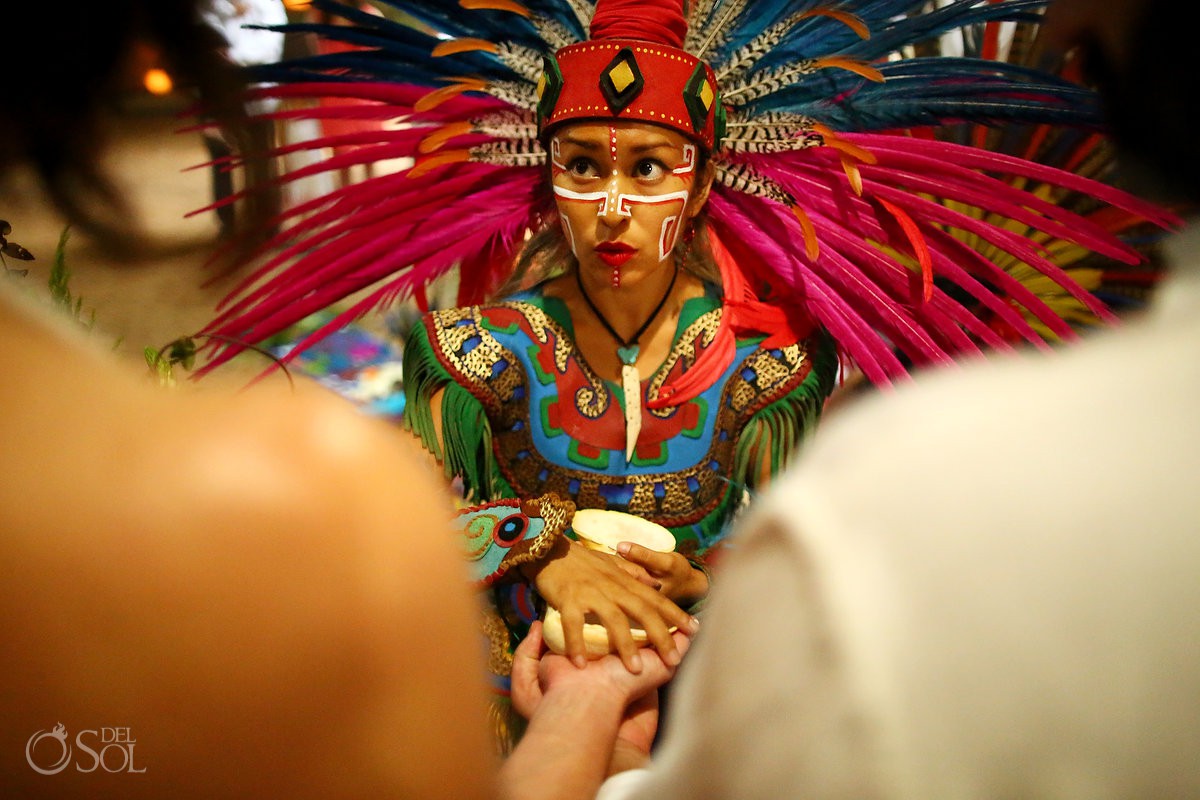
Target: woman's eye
[649, 169]
[582, 168]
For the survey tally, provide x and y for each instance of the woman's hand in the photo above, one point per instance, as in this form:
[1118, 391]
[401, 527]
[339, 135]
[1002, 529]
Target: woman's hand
[579, 719]
[537, 670]
[581, 582]
[671, 573]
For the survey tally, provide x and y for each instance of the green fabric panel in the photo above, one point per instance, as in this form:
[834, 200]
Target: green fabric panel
[423, 376]
[465, 450]
[555, 308]
[697, 307]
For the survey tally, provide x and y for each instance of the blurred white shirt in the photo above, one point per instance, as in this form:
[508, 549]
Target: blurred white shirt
[983, 586]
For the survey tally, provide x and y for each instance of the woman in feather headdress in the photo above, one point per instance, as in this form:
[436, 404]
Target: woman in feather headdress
[617, 379]
[725, 205]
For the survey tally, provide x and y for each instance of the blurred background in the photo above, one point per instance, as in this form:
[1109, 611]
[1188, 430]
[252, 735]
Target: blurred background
[171, 286]
[162, 294]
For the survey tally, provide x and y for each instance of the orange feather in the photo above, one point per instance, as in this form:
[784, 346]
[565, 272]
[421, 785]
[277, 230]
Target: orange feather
[495, 5]
[433, 162]
[851, 65]
[464, 45]
[439, 96]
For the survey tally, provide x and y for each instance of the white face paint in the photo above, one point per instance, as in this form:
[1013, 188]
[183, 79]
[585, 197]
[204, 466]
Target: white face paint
[623, 192]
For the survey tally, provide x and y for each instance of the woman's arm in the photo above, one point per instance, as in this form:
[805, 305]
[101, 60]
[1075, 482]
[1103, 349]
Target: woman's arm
[579, 720]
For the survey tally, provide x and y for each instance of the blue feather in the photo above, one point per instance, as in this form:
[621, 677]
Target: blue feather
[925, 91]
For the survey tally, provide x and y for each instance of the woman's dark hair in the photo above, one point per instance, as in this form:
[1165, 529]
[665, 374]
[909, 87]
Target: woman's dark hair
[63, 69]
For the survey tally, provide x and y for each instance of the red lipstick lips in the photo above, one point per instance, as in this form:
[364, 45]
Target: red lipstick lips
[614, 253]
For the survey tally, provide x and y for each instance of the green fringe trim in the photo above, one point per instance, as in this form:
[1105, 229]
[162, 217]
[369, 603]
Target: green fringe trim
[465, 449]
[783, 425]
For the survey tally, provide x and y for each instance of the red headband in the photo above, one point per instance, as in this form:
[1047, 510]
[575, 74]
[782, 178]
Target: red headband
[620, 74]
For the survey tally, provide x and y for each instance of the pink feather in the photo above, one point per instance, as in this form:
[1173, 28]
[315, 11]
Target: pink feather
[414, 253]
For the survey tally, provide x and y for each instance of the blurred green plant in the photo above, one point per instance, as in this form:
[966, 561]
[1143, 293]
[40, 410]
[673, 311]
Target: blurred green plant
[181, 353]
[60, 279]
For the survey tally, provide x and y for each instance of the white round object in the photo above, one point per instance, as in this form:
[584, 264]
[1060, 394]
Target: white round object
[601, 529]
[595, 636]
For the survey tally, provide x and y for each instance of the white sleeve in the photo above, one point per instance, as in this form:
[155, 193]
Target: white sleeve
[623, 785]
[760, 708]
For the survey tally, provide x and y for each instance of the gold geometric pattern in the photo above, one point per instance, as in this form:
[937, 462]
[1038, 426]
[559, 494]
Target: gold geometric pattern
[695, 337]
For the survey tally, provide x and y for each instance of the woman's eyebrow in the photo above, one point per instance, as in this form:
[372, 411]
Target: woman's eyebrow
[649, 146]
[586, 144]
[597, 144]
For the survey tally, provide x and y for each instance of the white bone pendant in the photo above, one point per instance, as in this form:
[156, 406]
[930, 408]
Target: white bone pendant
[631, 386]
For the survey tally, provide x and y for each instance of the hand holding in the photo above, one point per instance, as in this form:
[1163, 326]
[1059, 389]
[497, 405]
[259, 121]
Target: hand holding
[537, 672]
[674, 575]
[584, 724]
[582, 583]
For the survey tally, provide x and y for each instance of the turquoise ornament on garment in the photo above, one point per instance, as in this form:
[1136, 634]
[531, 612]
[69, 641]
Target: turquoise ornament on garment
[503, 534]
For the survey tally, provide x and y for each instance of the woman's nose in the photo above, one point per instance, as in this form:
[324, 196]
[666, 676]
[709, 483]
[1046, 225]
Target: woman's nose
[611, 210]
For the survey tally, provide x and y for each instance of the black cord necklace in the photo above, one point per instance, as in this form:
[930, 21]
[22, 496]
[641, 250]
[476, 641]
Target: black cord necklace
[628, 350]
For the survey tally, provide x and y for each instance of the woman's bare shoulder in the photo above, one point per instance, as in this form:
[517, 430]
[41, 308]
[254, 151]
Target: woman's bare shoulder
[127, 452]
[307, 455]
[278, 540]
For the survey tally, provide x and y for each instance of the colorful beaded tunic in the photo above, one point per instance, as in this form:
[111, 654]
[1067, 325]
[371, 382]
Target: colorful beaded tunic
[524, 415]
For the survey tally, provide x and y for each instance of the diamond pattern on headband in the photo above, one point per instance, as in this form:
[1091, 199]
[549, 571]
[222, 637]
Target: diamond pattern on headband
[549, 86]
[621, 81]
[699, 95]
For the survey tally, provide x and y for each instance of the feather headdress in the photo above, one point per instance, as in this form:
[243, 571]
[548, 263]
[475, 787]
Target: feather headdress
[829, 199]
